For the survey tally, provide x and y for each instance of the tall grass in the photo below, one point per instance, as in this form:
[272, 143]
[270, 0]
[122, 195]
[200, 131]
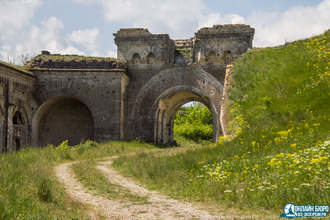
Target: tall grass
[280, 101]
[29, 188]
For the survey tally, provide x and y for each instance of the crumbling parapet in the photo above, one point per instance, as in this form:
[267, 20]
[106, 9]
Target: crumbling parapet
[217, 44]
[222, 43]
[138, 46]
[46, 60]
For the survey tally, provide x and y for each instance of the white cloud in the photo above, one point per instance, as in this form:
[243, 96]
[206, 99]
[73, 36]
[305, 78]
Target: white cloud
[34, 39]
[18, 36]
[215, 18]
[87, 38]
[274, 28]
[179, 18]
[16, 13]
[111, 54]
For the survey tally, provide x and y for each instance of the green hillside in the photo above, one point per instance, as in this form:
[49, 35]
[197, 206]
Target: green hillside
[279, 115]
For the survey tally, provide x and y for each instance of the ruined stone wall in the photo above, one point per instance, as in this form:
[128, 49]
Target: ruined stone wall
[75, 98]
[222, 43]
[15, 107]
[139, 46]
[98, 92]
[191, 57]
[142, 108]
[56, 61]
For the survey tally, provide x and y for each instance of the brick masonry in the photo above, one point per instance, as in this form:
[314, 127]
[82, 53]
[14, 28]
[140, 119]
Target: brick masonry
[75, 98]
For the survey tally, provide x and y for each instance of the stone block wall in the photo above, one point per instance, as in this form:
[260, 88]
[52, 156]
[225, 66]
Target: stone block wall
[91, 98]
[222, 43]
[75, 98]
[15, 109]
[139, 46]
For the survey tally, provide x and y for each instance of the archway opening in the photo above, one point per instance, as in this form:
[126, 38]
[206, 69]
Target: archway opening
[194, 121]
[60, 119]
[171, 106]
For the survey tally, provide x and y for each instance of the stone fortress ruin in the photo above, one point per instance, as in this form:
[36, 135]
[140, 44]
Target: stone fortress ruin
[69, 97]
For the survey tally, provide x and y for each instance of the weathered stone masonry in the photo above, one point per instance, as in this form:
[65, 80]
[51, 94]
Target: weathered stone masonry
[78, 98]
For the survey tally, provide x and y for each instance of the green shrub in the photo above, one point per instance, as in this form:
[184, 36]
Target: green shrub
[194, 122]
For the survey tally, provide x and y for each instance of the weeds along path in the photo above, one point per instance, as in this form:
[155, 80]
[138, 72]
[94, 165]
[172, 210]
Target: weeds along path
[158, 206]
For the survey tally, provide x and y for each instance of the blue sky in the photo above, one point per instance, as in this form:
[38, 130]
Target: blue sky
[85, 27]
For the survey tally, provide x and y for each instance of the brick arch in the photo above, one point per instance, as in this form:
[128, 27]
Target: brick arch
[52, 93]
[62, 118]
[166, 84]
[170, 101]
[67, 87]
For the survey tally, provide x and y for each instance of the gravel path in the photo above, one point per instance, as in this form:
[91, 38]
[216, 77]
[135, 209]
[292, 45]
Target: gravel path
[160, 207]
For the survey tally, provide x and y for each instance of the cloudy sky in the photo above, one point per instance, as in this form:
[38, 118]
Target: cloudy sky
[85, 27]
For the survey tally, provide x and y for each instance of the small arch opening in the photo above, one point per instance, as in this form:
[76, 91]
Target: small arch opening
[211, 57]
[136, 58]
[151, 58]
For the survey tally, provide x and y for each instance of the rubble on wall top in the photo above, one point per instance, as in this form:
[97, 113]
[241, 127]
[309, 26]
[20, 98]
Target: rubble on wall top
[132, 32]
[73, 61]
[183, 43]
[15, 67]
[136, 33]
[226, 29]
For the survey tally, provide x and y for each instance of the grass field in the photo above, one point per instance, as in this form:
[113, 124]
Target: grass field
[29, 188]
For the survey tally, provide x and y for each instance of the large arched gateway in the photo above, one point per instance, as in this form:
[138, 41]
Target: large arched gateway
[75, 98]
[156, 104]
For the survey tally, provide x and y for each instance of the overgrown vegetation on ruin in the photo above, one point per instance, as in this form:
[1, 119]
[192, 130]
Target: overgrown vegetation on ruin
[280, 101]
[183, 52]
[17, 67]
[72, 57]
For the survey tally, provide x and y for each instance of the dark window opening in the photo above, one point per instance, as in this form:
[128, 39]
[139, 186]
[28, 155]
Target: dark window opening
[17, 119]
[17, 144]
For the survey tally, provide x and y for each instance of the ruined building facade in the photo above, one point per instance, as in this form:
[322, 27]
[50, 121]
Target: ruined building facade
[68, 97]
